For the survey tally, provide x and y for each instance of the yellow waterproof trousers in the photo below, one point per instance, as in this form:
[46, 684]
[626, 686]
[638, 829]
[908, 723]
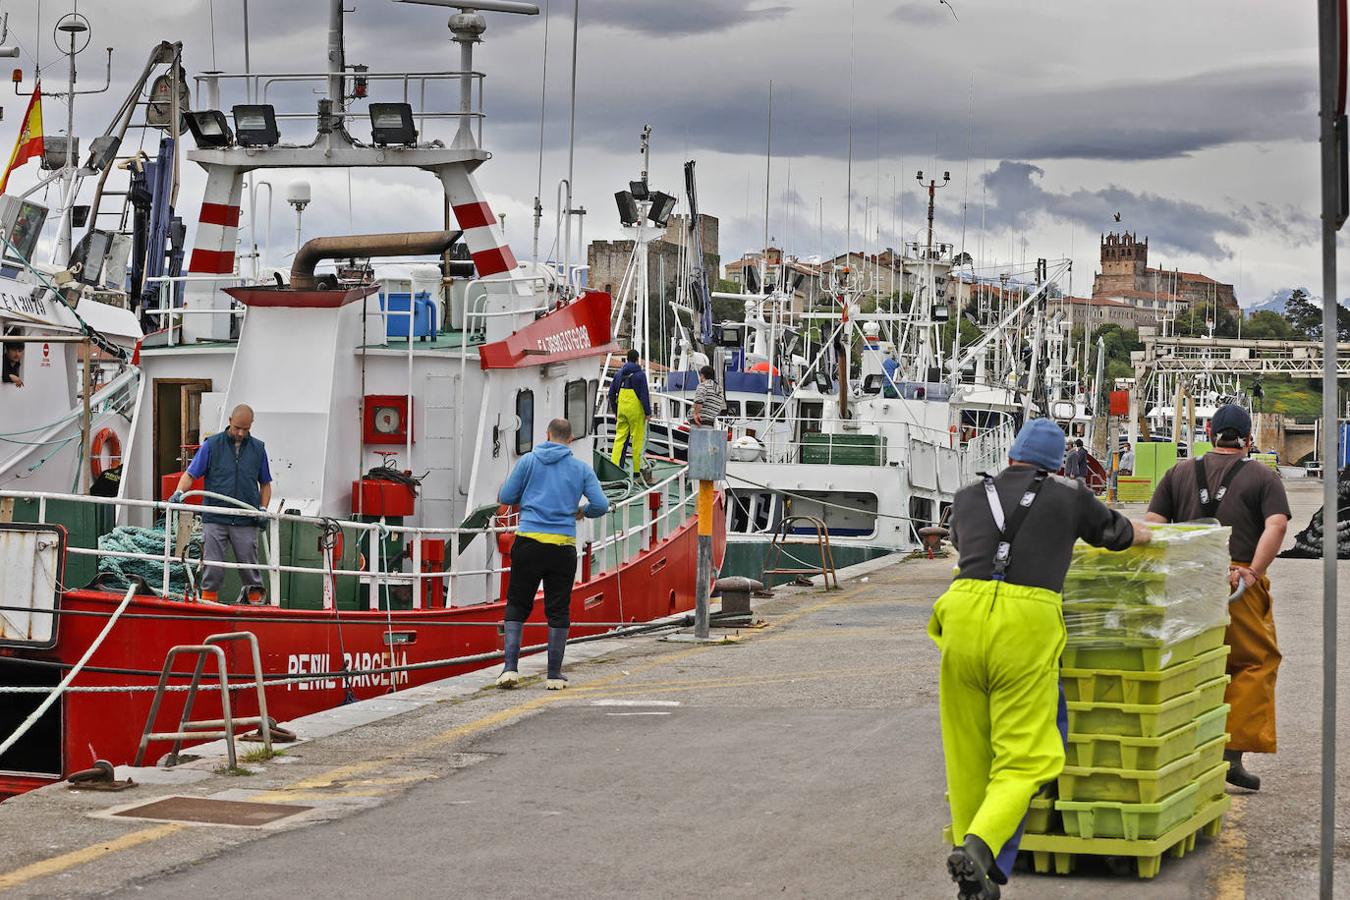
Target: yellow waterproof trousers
[1252, 662]
[998, 697]
[632, 424]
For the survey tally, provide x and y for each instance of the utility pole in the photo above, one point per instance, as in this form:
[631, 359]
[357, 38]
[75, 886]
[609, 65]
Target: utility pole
[1331, 21]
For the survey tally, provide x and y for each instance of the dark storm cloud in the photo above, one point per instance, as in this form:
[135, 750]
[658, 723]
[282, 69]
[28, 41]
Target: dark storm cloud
[1016, 198]
[721, 108]
[1292, 225]
[679, 17]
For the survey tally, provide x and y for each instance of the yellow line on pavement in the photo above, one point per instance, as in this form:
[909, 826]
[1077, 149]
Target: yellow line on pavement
[64, 861]
[16, 877]
[1231, 883]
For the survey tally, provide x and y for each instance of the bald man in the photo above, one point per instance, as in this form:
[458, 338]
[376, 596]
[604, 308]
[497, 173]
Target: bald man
[234, 464]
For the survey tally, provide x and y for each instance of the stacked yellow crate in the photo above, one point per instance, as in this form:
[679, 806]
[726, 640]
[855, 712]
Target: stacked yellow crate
[1144, 679]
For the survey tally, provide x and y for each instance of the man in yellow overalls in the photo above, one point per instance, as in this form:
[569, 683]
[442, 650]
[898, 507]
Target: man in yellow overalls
[631, 405]
[1000, 628]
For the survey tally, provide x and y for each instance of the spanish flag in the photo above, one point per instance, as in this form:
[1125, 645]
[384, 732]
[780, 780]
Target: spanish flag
[29, 144]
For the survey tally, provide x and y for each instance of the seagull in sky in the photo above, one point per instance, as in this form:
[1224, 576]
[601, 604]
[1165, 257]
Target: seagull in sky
[1117, 217]
[949, 6]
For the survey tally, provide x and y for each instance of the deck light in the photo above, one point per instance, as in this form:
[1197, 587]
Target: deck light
[392, 123]
[209, 128]
[662, 206]
[255, 125]
[628, 211]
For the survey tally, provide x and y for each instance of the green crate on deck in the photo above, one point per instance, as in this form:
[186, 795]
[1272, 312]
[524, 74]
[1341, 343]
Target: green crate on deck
[1041, 817]
[1125, 686]
[1211, 695]
[1132, 719]
[1142, 654]
[1113, 751]
[1209, 725]
[1126, 785]
[1145, 719]
[844, 449]
[1130, 821]
[1208, 756]
[1210, 784]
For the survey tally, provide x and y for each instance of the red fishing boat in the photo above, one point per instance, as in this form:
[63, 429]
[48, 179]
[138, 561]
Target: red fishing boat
[390, 419]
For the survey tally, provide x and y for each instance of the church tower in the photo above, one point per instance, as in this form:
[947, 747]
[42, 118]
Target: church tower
[1124, 259]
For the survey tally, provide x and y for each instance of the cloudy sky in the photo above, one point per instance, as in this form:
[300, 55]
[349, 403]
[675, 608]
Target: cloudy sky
[1195, 121]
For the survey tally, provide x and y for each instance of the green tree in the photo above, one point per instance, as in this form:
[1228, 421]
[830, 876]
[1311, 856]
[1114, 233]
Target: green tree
[1194, 321]
[1304, 318]
[1267, 325]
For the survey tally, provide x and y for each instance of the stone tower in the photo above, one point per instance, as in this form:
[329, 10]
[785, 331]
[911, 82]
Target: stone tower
[1124, 261]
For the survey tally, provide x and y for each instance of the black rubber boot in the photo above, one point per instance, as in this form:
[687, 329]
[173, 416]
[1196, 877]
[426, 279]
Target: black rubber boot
[557, 646]
[1238, 776]
[510, 677]
[970, 866]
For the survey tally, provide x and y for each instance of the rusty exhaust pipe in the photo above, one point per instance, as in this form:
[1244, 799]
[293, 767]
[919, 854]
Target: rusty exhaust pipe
[407, 243]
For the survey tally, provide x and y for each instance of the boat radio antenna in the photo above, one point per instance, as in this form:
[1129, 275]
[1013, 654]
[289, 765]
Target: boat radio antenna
[468, 27]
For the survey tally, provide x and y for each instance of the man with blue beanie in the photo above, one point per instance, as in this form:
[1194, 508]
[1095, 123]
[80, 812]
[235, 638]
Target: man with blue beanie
[1001, 631]
[547, 483]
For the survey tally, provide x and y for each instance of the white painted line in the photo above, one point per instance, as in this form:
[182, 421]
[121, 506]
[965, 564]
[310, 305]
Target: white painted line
[639, 714]
[635, 703]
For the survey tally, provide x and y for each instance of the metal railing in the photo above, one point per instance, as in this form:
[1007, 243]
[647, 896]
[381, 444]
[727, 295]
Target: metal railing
[632, 526]
[257, 85]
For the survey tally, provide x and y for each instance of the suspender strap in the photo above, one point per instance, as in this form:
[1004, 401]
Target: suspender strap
[1003, 555]
[1209, 506]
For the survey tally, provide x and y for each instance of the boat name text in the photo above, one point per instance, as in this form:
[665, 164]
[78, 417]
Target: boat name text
[313, 663]
[27, 304]
[577, 338]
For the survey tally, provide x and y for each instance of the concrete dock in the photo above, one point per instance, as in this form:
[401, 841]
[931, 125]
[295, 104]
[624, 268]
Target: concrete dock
[803, 761]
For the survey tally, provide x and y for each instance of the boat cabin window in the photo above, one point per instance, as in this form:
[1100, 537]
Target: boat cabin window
[811, 412]
[525, 415]
[754, 409]
[13, 364]
[592, 394]
[574, 406]
[733, 410]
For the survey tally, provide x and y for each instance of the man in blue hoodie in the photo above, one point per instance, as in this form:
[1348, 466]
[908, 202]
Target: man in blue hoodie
[629, 402]
[548, 483]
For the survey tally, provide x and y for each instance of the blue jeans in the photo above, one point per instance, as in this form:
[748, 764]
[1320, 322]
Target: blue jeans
[1007, 857]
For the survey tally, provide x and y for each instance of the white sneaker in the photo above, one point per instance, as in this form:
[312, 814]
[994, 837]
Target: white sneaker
[508, 680]
[555, 684]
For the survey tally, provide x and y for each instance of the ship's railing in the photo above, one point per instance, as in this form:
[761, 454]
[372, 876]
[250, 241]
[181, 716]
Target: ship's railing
[256, 87]
[987, 451]
[632, 526]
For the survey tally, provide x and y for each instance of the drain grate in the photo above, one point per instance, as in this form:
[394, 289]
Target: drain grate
[213, 812]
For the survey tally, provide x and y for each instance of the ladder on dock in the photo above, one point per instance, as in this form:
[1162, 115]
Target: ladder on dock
[223, 727]
[821, 542]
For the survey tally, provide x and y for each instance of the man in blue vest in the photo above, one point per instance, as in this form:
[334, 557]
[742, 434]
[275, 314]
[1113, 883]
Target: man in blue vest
[234, 464]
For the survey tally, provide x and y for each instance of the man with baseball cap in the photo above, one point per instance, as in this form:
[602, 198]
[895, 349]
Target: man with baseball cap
[1001, 631]
[1249, 498]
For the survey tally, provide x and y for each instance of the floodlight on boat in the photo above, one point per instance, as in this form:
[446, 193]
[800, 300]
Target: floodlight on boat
[628, 211]
[662, 206]
[639, 190]
[102, 152]
[255, 125]
[392, 123]
[209, 128]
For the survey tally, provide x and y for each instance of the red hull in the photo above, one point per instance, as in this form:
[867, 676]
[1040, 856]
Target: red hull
[656, 583]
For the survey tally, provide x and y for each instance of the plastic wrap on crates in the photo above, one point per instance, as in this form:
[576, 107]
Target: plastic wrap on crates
[1166, 591]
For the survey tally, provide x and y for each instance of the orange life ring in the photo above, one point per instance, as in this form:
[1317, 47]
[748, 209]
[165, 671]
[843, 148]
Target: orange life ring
[105, 439]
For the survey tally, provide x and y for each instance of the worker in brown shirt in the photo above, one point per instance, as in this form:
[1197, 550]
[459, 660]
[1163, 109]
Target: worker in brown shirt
[1249, 498]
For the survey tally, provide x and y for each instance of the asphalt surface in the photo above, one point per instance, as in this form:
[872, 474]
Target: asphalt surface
[803, 761]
